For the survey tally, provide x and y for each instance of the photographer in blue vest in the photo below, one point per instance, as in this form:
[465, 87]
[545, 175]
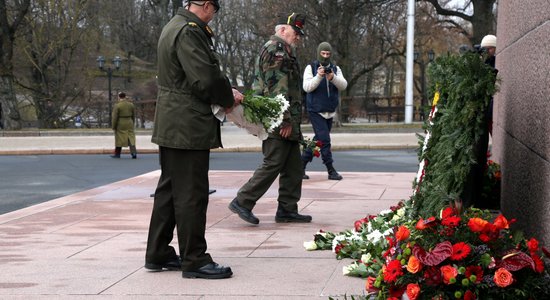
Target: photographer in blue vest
[323, 81]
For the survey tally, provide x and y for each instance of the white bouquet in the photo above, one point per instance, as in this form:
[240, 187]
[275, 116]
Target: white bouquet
[259, 115]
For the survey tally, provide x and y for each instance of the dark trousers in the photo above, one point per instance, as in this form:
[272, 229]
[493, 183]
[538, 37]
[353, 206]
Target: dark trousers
[281, 158]
[181, 200]
[321, 128]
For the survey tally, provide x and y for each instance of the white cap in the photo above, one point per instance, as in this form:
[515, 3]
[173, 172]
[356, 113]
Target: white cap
[489, 41]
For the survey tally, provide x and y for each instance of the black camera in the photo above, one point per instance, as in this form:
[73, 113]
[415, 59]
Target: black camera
[327, 68]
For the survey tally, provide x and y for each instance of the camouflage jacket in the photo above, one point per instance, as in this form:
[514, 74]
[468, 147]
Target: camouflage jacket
[278, 72]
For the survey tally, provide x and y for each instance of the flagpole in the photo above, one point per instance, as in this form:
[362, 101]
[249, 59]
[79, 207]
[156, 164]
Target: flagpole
[410, 63]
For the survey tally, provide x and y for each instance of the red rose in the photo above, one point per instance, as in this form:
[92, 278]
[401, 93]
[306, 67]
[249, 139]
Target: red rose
[402, 233]
[477, 224]
[316, 153]
[448, 272]
[451, 221]
[359, 224]
[533, 245]
[503, 278]
[413, 291]
[338, 248]
[318, 143]
[501, 222]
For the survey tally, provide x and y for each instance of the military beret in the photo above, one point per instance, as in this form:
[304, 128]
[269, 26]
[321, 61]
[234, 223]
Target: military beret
[296, 20]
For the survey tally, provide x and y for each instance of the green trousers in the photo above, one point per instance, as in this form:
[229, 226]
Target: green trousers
[281, 158]
[181, 200]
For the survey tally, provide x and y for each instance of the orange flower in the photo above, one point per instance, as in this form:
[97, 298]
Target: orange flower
[423, 224]
[448, 273]
[413, 291]
[414, 265]
[503, 278]
[477, 224]
[501, 222]
[402, 233]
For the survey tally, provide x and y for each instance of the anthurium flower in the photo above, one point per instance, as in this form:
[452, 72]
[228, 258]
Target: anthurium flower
[402, 233]
[460, 251]
[477, 224]
[448, 273]
[503, 278]
[413, 291]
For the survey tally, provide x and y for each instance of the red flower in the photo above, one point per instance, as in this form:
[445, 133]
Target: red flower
[448, 273]
[402, 233]
[369, 286]
[451, 221]
[474, 270]
[397, 291]
[533, 245]
[423, 224]
[432, 276]
[503, 278]
[338, 248]
[448, 212]
[477, 224]
[392, 271]
[318, 143]
[316, 153]
[501, 222]
[539, 264]
[469, 295]
[359, 224]
[460, 251]
[413, 291]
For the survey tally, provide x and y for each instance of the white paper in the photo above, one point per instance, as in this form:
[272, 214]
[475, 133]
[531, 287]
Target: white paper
[237, 117]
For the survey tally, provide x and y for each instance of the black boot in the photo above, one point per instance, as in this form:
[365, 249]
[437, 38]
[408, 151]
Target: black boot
[133, 151]
[304, 176]
[332, 174]
[116, 154]
[284, 216]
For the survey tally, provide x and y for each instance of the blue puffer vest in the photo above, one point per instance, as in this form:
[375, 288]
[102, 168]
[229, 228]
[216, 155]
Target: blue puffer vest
[321, 99]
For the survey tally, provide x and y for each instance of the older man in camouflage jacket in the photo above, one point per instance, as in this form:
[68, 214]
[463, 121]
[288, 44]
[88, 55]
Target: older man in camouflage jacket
[278, 72]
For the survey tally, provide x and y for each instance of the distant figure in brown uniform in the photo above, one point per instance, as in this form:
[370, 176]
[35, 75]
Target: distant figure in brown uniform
[123, 126]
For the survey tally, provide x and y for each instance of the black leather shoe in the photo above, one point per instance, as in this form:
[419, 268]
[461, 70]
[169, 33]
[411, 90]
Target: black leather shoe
[209, 271]
[172, 265]
[243, 213]
[114, 156]
[334, 176]
[305, 176]
[291, 217]
[134, 156]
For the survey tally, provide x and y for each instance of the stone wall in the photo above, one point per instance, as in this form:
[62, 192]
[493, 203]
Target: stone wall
[521, 128]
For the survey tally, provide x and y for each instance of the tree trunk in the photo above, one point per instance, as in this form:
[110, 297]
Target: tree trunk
[483, 20]
[10, 114]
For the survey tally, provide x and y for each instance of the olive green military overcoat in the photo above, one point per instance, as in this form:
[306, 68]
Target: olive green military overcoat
[190, 83]
[123, 123]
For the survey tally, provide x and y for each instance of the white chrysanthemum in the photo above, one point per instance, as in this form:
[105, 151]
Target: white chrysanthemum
[375, 236]
[385, 212]
[365, 258]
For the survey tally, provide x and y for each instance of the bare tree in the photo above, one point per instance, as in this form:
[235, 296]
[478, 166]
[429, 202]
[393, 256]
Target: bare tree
[14, 11]
[482, 18]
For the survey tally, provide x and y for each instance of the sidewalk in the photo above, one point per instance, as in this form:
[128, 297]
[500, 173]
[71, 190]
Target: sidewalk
[91, 245]
[233, 139]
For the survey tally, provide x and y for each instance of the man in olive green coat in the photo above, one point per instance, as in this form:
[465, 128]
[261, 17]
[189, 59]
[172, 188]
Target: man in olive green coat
[189, 82]
[123, 124]
[278, 72]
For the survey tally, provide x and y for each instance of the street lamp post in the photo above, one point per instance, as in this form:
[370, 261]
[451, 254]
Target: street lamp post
[117, 62]
[419, 59]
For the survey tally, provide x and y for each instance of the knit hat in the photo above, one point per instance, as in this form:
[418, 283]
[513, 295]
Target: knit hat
[324, 46]
[489, 41]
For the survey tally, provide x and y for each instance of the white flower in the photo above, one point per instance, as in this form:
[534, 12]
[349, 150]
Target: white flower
[310, 245]
[348, 269]
[365, 258]
[337, 239]
[375, 236]
[385, 212]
